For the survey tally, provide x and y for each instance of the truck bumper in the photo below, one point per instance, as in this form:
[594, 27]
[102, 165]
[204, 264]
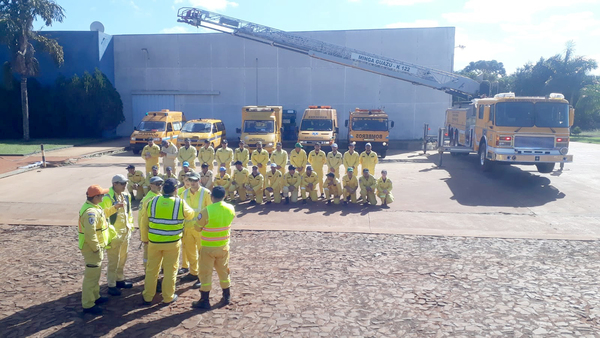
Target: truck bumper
[375, 146]
[532, 159]
[137, 145]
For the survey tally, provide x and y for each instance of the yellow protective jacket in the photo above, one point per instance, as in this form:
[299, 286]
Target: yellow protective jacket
[351, 160]
[224, 181]
[274, 180]
[256, 182]
[137, 177]
[240, 177]
[93, 228]
[350, 182]
[198, 201]
[188, 155]
[368, 161]
[367, 182]
[313, 178]
[206, 155]
[182, 173]
[280, 158]
[384, 185]
[262, 158]
[121, 219]
[317, 161]
[151, 154]
[334, 186]
[335, 161]
[188, 215]
[206, 180]
[289, 179]
[144, 204]
[242, 155]
[224, 156]
[298, 159]
[147, 182]
[166, 177]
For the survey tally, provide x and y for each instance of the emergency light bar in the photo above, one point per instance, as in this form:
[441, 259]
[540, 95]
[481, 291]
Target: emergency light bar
[319, 107]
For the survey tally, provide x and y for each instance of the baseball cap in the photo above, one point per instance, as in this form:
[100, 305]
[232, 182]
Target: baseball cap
[330, 175]
[149, 139]
[204, 165]
[170, 186]
[119, 179]
[291, 167]
[154, 167]
[223, 169]
[273, 165]
[95, 190]
[165, 142]
[365, 170]
[334, 145]
[194, 176]
[279, 144]
[224, 141]
[170, 168]
[238, 162]
[187, 139]
[298, 145]
[131, 166]
[218, 192]
[352, 144]
[350, 169]
[309, 167]
[186, 164]
[259, 143]
[368, 144]
[254, 166]
[156, 179]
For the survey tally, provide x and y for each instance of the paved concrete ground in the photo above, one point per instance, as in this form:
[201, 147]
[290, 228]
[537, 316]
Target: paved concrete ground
[456, 200]
[312, 284]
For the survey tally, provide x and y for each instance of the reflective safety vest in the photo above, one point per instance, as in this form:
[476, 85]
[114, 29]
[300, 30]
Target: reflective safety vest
[216, 233]
[103, 230]
[198, 208]
[165, 216]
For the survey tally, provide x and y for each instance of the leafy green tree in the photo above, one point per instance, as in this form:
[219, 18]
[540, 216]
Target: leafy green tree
[490, 74]
[588, 107]
[16, 31]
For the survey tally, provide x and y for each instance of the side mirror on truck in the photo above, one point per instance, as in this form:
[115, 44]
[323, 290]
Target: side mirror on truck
[337, 130]
[238, 130]
[281, 130]
[392, 124]
[571, 116]
[134, 128]
[346, 124]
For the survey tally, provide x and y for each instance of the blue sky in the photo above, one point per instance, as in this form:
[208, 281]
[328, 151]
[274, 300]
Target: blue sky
[511, 31]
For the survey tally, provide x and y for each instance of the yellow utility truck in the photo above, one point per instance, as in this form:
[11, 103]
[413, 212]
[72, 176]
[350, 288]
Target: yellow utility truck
[203, 129]
[319, 125]
[159, 125]
[261, 123]
[370, 126]
[512, 130]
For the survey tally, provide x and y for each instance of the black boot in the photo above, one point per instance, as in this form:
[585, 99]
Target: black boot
[204, 302]
[287, 200]
[226, 296]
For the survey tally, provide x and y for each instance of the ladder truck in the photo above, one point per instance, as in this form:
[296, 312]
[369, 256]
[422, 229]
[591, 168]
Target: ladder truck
[534, 138]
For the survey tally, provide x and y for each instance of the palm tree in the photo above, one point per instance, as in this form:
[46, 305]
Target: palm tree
[16, 31]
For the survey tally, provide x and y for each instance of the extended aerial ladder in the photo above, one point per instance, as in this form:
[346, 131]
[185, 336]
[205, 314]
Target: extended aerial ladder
[448, 82]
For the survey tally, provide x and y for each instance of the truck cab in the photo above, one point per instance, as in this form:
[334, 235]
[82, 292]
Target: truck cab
[319, 125]
[159, 125]
[261, 123]
[370, 126]
[203, 129]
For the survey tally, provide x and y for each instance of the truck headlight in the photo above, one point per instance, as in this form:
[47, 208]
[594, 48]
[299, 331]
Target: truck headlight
[564, 150]
[133, 138]
[351, 136]
[270, 144]
[384, 144]
[157, 139]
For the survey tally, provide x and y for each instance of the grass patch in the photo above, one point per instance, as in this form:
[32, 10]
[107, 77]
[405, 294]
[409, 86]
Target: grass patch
[588, 136]
[20, 147]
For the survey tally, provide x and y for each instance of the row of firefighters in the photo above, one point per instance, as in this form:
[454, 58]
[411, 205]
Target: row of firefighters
[269, 178]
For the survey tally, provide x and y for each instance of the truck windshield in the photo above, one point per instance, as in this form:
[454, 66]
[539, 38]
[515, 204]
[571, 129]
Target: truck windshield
[191, 127]
[528, 114]
[359, 124]
[316, 125]
[151, 125]
[259, 127]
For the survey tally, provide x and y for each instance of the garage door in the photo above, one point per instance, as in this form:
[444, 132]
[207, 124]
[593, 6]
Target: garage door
[143, 103]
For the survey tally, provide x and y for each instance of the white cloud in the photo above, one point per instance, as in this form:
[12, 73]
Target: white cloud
[557, 27]
[402, 2]
[213, 4]
[415, 24]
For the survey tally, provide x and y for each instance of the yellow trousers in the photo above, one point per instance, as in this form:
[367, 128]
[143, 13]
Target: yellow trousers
[329, 194]
[336, 172]
[312, 193]
[139, 191]
[276, 194]
[90, 290]
[293, 194]
[117, 256]
[255, 195]
[319, 179]
[217, 258]
[351, 194]
[167, 255]
[149, 165]
[191, 247]
[387, 199]
[185, 263]
[368, 196]
[241, 190]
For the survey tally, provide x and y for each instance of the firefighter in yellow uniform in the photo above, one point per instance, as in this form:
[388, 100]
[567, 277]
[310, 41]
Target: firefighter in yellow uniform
[206, 154]
[351, 157]
[135, 181]
[169, 173]
[291, 184]
[239, 182]
[185, 263]
[224, 156]
[384, 189]
[368, 159]
[273, 186]
[188, 154]
[187, 170]
[214, 224]
[298, 158]
[151, 154]
[206, 177]
[260, 158]
[196, 198]
[223, 179]
[333, 188]
[368, 184]
[169, 154]
[154, 173]
[241, 154]
[255, 185]
[155, 186]
[162, 228]
[93, 238]
[309, 185]
[117, 207]
[317, 160]
[350, 183]
[334, 161]
[279, 157]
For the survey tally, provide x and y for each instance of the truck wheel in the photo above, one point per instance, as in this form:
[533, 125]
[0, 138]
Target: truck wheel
[545, 168]
[484, 164]
[383, 153]
[136, 151]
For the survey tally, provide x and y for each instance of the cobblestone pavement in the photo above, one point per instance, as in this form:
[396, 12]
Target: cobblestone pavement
[296, 284]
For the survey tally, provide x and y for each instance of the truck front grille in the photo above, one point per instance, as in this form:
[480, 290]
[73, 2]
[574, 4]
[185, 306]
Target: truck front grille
[535, 142]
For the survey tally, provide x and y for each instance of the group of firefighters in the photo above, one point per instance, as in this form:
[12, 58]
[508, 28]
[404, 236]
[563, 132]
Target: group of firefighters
[186, 214]
[270, 177]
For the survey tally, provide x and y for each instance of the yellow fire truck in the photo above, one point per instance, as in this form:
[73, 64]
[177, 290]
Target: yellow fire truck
[261, 123]
[512, 130]
[370, 126]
